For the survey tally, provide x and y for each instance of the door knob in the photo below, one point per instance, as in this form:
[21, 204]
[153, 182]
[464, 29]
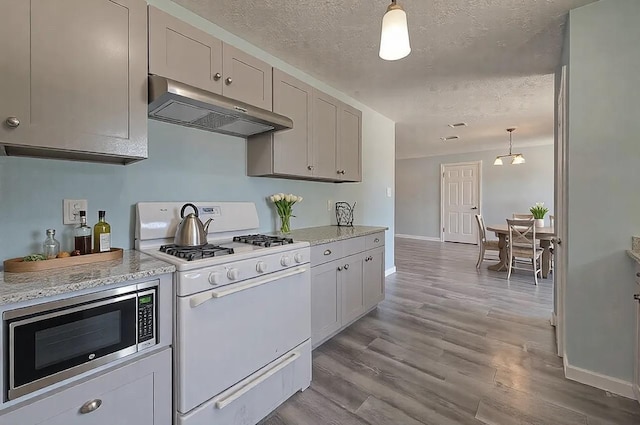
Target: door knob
[228, 80]
[474, 208]
[217, 76]
[13, 122]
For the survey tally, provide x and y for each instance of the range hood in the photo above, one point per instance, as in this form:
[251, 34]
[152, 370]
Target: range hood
[182, 104]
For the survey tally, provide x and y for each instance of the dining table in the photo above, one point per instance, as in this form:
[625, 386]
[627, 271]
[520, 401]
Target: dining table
[544, 234]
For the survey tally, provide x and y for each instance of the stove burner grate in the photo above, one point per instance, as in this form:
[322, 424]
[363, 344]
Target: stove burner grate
[263, 240]
[191, 253]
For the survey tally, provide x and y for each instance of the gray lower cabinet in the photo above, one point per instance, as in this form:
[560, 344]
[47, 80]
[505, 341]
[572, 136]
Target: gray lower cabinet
[138, 393]
[74, 79]
[373, 277]
[326, 301]
[347, 280]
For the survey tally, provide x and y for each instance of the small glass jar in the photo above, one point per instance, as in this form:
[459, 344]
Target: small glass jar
[51, 246]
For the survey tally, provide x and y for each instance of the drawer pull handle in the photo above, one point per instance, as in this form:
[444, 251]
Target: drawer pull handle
[327, 252]
[242, 387]
[376, 240]
[346, 267]
[91, 406]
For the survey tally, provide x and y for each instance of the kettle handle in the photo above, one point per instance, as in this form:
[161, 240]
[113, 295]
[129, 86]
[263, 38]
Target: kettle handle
[195, 209]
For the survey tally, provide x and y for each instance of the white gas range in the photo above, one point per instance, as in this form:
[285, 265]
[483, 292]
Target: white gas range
[242, 313]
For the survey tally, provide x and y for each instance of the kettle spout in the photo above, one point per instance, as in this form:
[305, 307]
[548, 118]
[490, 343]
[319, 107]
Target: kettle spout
[206, 225]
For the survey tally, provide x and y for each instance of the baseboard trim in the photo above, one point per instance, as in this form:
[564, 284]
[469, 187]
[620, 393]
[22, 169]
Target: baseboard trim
[594, 379]
[420, 238]
[390, 270]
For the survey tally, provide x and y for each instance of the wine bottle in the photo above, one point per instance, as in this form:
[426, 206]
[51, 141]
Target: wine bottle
[82, 235]
[101, 234]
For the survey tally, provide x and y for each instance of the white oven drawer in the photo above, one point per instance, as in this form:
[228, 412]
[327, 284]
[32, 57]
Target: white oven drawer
[257, 395]
[226, 334]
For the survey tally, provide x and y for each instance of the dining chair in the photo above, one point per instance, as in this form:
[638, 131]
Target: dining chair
[517, 216]
[484, 245]
[522, 244]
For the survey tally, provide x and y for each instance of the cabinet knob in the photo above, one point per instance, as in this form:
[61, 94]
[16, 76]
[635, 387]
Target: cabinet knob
[217, 76]
[346, 267]
[13, 122]
[90, 406]
[309, 167]
[638, 274]
[339, 268]
[636, 297]
[228, 80]
[376, 240]
[327, 252]
[342, 172]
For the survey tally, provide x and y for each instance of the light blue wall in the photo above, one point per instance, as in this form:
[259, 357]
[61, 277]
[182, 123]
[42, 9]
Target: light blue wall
[505, 190]
[188, 164]
[603, 198]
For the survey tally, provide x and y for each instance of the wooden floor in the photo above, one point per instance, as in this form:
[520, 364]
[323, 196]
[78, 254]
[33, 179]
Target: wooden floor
[450, 345]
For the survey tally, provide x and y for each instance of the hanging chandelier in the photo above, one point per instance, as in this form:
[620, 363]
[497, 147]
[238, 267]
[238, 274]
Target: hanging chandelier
[394, 37]
[516, 158]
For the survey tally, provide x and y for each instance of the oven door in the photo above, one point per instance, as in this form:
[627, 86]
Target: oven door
[51, 346]
[227, 334]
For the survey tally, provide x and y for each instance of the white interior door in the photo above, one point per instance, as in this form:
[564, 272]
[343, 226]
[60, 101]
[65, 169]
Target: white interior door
[560, 246]
[460, 201]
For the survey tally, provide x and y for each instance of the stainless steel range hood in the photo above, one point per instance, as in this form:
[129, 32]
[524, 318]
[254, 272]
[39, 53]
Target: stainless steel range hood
[186, 105]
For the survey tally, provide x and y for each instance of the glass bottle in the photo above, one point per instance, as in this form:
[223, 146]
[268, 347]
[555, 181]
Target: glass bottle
[51, 247]
[82, 235]
[101, 234]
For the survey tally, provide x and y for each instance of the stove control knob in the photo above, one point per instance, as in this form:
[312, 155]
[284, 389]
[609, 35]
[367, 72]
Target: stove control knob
[233, 274]
[215, 278]
[298, 257]
[285, 261]
[261, 267]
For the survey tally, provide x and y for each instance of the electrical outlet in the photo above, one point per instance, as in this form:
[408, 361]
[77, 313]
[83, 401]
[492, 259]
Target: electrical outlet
[389, 192]
[329, 203]
[71, 210]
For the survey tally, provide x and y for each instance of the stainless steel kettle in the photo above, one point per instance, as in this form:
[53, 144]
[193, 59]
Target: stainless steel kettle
[191, 231]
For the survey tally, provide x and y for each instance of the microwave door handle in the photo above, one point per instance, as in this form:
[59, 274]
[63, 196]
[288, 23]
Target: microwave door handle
[199, 299]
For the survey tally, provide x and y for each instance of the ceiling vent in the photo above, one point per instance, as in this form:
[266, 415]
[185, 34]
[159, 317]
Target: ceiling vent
[446, 139]
[458, 124]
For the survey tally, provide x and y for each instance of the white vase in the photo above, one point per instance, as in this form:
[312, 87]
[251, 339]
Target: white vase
[539, 222]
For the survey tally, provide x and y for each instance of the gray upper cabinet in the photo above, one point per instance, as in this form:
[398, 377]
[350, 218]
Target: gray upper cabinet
[74, 79]
[246, 78]
[285, 153]
[186, 54]
[326, 112]
[349, 158]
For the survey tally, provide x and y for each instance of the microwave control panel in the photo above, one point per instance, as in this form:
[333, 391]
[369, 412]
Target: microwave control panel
[146, 319]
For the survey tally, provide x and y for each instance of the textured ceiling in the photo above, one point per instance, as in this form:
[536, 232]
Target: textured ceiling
[488, 63]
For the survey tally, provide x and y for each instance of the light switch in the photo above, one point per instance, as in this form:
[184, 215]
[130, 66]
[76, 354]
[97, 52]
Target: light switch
[389, 192]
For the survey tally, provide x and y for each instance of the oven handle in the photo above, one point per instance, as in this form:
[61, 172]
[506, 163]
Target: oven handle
[245, 387]
[198, 299]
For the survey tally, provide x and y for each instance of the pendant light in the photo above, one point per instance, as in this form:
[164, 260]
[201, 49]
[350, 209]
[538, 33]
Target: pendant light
[394, 37]
[516, 158]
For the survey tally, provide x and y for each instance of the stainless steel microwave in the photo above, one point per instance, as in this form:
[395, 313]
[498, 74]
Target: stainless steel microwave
[49, 342]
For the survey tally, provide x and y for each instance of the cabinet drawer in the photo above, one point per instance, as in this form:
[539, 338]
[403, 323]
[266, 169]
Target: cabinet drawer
[353, 246]
[374, 241]
[138, 393]
[326, 252]
[257, 395]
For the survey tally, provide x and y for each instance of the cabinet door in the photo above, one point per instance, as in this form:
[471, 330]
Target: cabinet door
[352, 288]
[325, 135]
[349, 158]
[184, 53]
[373, 277]
[137, 394]
[292, 148]
[326, 299]
[246, 78]
[74, 73]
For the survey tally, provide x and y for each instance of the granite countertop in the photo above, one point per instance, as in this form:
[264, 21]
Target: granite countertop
[17, 287]
[634, 254]
[326, 234]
